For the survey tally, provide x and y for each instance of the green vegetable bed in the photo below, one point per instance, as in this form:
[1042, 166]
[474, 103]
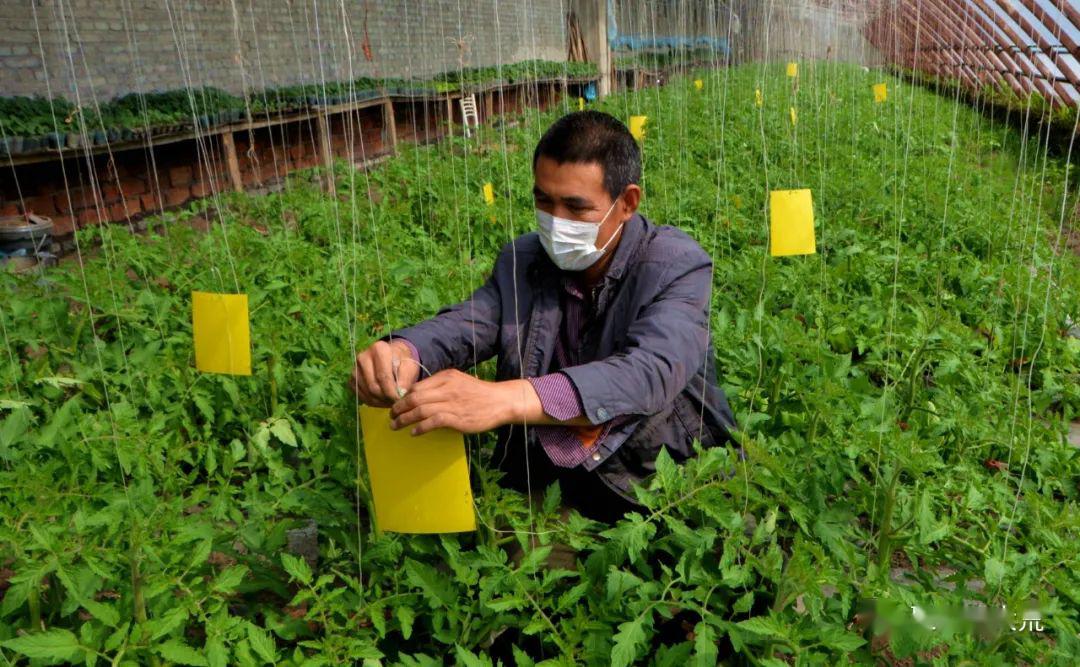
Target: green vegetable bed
[903, 397]
[32, 124]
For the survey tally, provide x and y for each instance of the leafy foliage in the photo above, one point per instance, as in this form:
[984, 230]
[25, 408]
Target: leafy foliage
[146, 507]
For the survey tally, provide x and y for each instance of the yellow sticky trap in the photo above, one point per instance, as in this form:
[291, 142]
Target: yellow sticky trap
[637, 126]
[222, 333]
[794, 116]
[793, 69]
[581, 104]
[791, 229]
[489, 194]
[420, 484]
[699, 84]
[758, 100]
[881, 92]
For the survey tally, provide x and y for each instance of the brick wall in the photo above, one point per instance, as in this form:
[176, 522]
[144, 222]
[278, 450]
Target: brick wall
[124, 185]
[98, 49]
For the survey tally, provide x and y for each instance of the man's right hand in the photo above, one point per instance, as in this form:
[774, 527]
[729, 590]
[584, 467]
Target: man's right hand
[376, 367]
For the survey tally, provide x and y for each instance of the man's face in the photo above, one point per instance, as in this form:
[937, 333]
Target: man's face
[576, 191]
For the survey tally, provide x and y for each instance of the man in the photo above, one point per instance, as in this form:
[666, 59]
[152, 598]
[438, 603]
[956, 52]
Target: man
[600, 323]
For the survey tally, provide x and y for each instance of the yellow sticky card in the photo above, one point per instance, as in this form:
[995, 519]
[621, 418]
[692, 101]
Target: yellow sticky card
[794, 116]
[489, 194]
[637, 126]
[881, 92]
[581, 104]
[737, 200]
[757, 97]
[420, 484]
[699, 84]
[222, 333]
[793, 69]
[791, 229]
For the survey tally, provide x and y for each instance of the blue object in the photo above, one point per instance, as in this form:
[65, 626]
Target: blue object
[590, 92]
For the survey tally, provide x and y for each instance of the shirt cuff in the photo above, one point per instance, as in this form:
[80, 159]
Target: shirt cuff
[413, 351]
[558, 396]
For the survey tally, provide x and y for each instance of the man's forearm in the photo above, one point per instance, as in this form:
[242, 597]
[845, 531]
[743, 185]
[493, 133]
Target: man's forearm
[521, 404]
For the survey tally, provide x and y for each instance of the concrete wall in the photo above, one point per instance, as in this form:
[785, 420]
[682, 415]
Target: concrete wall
[103, 48]
[803, 29]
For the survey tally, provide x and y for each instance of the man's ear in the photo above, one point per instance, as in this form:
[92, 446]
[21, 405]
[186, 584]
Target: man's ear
[631, 199]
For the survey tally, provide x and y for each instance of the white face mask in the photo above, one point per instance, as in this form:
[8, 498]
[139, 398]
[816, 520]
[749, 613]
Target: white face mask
[571, 244]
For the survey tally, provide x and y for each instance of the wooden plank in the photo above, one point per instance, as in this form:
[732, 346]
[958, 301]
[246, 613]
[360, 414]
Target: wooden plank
[229, 147]
[489, 106]
[323, 128]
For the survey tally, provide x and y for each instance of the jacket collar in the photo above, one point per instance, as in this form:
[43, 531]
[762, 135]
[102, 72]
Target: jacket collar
[632, 234]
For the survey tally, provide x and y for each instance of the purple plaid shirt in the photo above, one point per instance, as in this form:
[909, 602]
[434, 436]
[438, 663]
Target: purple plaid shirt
[558, 395]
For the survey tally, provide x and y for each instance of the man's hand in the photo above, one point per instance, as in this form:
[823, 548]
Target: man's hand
[456, 400]
[373, 378]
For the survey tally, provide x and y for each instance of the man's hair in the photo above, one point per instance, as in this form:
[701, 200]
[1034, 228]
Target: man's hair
[582, 137]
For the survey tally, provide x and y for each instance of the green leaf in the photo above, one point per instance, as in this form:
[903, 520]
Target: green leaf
[230, 578]
[282, 430]
[619, 582]
[552, 498]
[764, 626]
[434, 587]
[297, 568]
[102, 612]
[743, 604]
[632, 534]
[470, 659]
[630, 636]
[993, 571]
[840, 639]
[167, 623]
[177, 651]
[262, 643]
[54, 644]
[521, 658]
[216, 653]
[405, 616]
[705, 650]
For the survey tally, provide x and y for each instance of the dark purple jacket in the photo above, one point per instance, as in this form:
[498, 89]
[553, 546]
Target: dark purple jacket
[648, 337]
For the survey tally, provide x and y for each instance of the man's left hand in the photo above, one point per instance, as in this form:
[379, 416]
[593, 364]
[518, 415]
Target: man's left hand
[459, 401]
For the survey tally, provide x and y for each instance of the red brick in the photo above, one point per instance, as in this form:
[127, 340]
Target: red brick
[9, 208]
[177, 196]
[88, 216]
[180, 176]
[201, 189]
[63, 225]
[149, 202]
[134, 205]
[110, 193]
[296, 151]
[117, 213]
[132, 186]
[248, 177]
[268, 172]
[42, 205]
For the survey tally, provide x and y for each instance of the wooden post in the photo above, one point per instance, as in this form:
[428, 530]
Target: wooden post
[449, 115]
[229, 147]
[489, 106]
[325, 153]
[389, 126]
[603, 53]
